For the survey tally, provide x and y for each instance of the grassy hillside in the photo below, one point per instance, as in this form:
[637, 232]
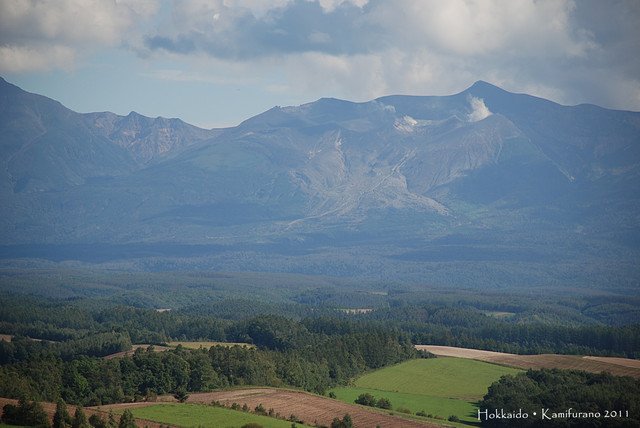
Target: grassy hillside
[438, 377]
[439, 386]
[191, 415]
[429, 405]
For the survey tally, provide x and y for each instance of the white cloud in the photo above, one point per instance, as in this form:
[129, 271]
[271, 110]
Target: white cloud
[471, 27]
[142, 8]
[359, 49]
[69, 21]
[258, 8]
[18, 59]
[408, 46]
[319, 37]
[479, 111]
[329, 6]
[39, 35]
[354, 77]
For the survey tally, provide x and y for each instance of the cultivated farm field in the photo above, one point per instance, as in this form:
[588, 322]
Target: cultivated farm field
[438, 407]
[437, 386]
[615, 366]
[191, 415]
[312, 409]
[309, 408]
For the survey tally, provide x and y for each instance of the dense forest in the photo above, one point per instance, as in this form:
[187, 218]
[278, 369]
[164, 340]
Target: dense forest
[313, 355]
[95, 381]
[78, 328]
[303, 335]
[563, 398]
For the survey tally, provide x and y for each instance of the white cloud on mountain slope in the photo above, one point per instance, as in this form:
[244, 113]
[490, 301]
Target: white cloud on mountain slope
[479, 110]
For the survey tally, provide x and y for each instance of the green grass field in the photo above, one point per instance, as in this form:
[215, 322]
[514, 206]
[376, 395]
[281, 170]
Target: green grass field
[192, 415]
[437, 406]
[438, 386]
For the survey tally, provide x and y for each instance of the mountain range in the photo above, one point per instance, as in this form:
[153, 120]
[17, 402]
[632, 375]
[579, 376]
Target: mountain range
[484, 187]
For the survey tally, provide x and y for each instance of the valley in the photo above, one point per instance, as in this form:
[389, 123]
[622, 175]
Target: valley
[428, 256]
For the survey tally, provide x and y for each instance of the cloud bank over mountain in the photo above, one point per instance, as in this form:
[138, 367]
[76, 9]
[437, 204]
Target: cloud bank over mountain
[571, 52]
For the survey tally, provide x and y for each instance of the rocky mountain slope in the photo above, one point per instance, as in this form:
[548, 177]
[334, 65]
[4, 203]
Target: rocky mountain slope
[395, 184]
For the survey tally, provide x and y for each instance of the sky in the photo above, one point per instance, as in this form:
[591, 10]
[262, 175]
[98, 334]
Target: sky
[216, 63]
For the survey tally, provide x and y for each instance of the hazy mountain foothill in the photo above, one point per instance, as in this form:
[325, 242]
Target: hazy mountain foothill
[481, 188]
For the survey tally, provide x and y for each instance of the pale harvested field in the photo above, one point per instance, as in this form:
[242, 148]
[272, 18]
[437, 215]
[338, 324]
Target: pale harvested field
[312, 409]
[356, 311]
[451, 351]
[207, 345]
[626, 362]
[50, 408]
[615, 366]
[172, 345]
[9, 338]
[134, 348]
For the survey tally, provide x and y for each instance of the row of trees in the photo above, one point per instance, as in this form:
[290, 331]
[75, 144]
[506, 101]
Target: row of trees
[367, 399]
[32, 414]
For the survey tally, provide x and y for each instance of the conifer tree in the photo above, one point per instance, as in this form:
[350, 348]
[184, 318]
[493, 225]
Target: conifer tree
[127, 420]
[80, 419]
[61, 418]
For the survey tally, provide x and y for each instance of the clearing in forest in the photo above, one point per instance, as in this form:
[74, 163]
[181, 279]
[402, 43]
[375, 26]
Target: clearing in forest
[173, 345]
[207, 345]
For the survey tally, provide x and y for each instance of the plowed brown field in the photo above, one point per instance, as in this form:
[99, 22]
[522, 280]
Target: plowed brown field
[615, 366]
[312, 409]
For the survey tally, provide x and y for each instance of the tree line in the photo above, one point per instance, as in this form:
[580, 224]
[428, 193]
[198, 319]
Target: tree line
[32, 414]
